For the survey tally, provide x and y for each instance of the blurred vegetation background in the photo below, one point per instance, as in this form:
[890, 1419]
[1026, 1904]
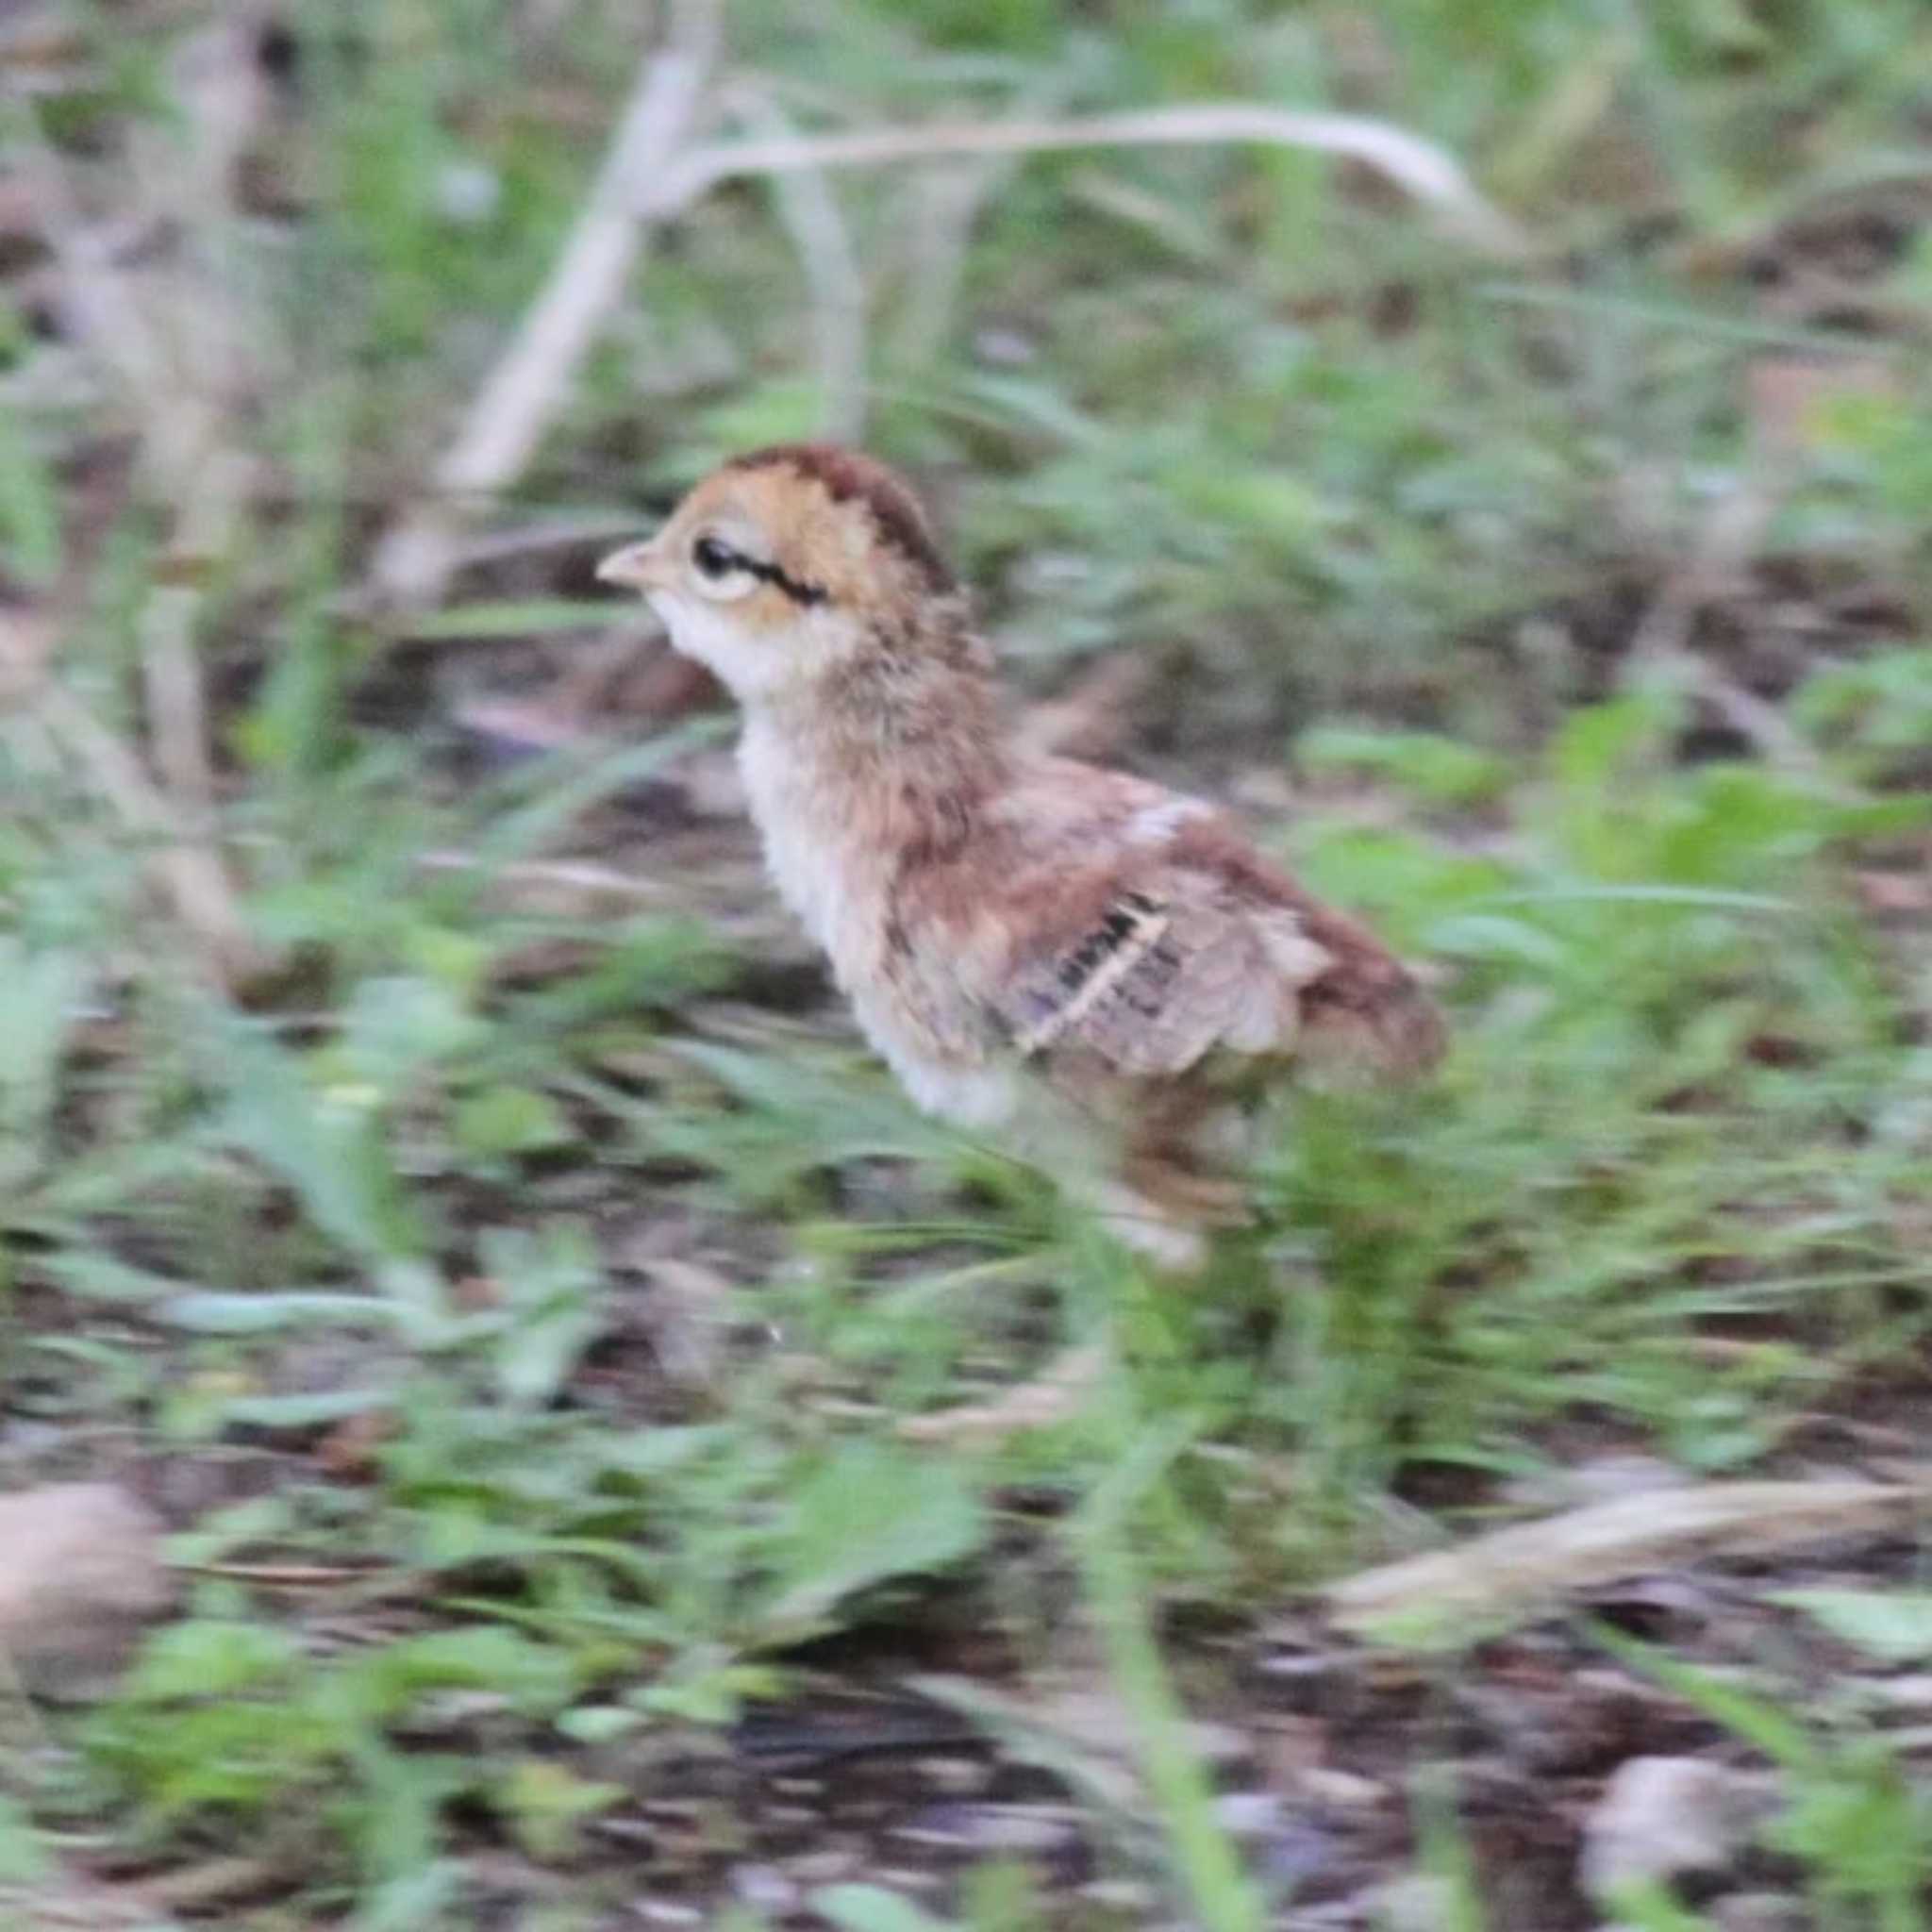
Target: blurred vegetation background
[547, 1394]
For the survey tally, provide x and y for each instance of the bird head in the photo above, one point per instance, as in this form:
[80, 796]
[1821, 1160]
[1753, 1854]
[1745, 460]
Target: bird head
[787, 565]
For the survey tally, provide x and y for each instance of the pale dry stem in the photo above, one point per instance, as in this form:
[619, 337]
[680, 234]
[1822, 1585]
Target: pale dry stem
[948, 203]
[185, 459]
[1059, 1392]
[649, 176]
[809, 210]
[1420, 167]
[501, 430]
[1662, 650]
[1524, 1569]
[187, 868]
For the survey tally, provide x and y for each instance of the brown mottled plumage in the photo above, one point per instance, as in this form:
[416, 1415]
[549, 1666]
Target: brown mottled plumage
[1086, 964]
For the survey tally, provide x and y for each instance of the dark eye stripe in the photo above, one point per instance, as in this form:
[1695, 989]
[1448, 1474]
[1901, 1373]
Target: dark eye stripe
[799, 591]
[714, 558]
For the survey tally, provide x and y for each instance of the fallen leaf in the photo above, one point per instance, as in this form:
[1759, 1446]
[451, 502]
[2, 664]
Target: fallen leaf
[870, 1908]
[1895, 1626]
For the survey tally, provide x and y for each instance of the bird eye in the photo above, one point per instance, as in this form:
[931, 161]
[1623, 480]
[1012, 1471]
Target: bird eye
[720, 571]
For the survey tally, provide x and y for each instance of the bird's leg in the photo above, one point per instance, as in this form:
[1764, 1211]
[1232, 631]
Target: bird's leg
[1179, 1148]
[1171, 1238]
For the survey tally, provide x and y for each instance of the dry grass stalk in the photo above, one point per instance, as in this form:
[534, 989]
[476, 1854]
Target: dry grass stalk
[946, 203]
[646, 180]
[556, 888]
[187, 869]
[176, 347]
[210, 520]
[1528, 1567]
[809, 210]
[1785, 396]
[504, 424]
[92, 296]
[1059, 1392]
[215, 340]
[1418, 166]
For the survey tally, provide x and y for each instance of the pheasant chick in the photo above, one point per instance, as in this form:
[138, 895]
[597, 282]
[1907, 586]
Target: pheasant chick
[1090, 967]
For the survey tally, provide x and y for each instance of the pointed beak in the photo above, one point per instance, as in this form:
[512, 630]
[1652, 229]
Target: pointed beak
[636, 567]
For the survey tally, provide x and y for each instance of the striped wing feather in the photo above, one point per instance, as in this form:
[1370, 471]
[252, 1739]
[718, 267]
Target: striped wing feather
[1187, 943]
[1160, 981]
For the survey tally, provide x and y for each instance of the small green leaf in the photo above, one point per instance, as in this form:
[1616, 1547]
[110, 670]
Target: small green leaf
[531, 1677]
[780, 409]
[30, 506]
[552, 1288]
[325, 1144]
[42, 990]
[1895, 1626]
[213, 1657]
[545, 1802]
[211, 1312]
[1647, 1906]
[870, 1514]
[598, 1723]
[413, 1900]
[711, 1696]
[1597, 745]
[509, 1120]
[873, 1909]
[23, 1858]
[400, 1022]
[301, 1410]
[1775, 1732]
[1435, 768]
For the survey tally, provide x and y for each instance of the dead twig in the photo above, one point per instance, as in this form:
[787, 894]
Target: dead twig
[283, 1575]
[1526, 1569]
[185, 866]
[508, 415]
[26, 647]
[1418, 166]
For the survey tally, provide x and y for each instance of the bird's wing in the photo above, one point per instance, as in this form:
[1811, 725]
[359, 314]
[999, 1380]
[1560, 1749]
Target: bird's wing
[1160, 977]
[1143, 930]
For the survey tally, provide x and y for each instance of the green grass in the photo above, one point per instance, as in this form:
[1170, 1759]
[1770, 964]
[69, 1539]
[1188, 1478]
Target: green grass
[1382, 518]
